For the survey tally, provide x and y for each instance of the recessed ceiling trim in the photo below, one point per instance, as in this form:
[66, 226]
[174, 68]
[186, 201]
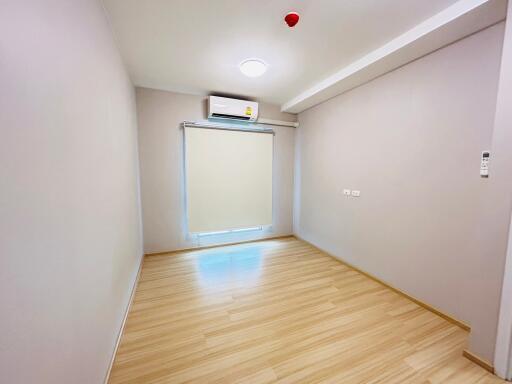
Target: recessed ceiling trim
[455, 22]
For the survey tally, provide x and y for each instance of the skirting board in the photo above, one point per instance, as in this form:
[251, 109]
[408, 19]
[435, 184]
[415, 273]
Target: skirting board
[217, 245]
[430, 308]
[132, 295]
[479, 361]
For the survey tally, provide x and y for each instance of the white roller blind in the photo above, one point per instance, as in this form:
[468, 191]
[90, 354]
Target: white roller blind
[228, 179]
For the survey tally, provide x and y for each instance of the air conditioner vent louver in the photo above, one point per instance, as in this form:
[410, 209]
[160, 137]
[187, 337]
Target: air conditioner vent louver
[223, 116]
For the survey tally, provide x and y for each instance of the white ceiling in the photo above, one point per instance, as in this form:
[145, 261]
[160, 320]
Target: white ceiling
[195, 46]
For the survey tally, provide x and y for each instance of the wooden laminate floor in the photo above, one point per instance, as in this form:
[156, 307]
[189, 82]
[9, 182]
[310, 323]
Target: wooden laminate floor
[281, 311]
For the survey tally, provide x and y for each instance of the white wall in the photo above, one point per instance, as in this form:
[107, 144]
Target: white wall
[70, 235]
[501, 185]
[411, 142]
[160, 114]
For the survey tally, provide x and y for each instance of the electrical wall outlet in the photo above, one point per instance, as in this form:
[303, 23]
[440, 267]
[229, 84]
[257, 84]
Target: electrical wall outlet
[346, 192]
[356, 193]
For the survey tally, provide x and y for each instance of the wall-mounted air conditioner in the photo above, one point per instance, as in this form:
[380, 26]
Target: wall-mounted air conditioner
[233, 109]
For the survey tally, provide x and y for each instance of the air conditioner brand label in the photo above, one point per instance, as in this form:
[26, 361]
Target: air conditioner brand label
[248, 111]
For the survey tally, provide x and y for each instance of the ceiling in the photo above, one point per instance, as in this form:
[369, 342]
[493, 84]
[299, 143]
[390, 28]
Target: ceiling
[195, 46]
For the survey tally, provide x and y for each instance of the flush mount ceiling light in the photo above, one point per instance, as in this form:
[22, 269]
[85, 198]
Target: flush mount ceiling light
[253, 67]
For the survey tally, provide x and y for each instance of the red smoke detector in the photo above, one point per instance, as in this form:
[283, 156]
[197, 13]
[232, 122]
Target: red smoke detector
[292, 18]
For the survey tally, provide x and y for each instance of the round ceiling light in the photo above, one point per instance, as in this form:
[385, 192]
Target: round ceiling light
[253, 67]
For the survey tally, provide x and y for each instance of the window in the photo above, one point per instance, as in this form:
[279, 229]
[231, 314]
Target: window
[228, 179]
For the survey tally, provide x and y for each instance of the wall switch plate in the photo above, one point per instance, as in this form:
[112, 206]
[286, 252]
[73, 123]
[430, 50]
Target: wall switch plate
[356, 193]
[346, 192]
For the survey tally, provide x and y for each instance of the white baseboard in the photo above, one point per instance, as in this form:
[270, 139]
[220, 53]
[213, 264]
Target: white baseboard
[134, 288]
